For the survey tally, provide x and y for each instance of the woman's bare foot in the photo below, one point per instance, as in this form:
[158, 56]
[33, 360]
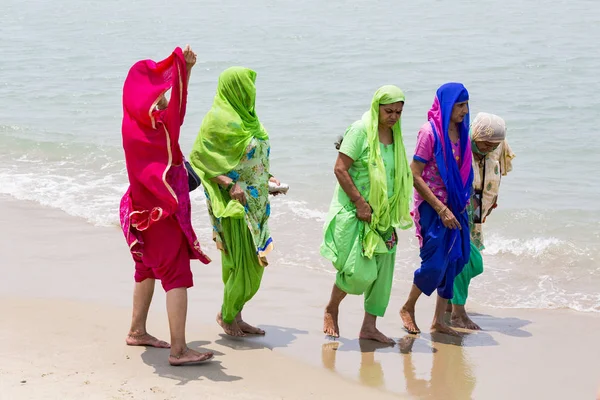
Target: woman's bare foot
[408, 319]
[231, 329]
[330, 323]
[460, 318]
[247, 328]
[145, 339]
[375, 334]
[189, 357]
[437, 327]
[463, 321]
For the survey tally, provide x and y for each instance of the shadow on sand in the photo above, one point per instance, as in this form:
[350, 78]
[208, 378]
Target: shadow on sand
[213, 370]
[275, 337]
[509, 326]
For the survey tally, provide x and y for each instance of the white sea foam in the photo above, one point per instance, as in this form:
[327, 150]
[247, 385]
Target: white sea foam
[534, 247]
[60, 137]
[545, 293]
[303, 210]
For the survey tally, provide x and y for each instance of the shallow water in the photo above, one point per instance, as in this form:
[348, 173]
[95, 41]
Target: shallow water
[318, 64]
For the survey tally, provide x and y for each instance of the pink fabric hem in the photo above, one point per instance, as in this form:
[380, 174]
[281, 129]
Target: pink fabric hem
[177, 179]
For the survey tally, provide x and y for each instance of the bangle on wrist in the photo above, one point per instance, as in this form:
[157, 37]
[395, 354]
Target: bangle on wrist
[442, 211]
[230, 186]
[357, 199]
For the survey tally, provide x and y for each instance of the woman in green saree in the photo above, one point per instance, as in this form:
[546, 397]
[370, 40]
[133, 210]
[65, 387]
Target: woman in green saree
[370, 201]
[231, 157]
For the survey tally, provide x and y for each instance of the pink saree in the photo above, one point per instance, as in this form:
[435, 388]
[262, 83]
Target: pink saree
[158, 182]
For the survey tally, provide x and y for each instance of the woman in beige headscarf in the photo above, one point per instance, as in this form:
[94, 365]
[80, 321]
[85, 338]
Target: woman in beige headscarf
[492, 159]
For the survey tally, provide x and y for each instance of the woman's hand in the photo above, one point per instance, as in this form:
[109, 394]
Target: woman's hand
[275, 181]
[190, 56]
[363, 210]
[237, 193]
[448, 219]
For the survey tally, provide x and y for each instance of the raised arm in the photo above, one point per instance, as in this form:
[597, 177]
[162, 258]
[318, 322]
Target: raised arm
[190, 61]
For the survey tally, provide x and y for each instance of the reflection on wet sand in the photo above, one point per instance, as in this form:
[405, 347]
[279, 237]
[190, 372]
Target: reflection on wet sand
[451, 376]
[370, 371]
[328, 352]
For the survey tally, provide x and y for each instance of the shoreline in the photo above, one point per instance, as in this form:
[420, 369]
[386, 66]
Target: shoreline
[57, 266]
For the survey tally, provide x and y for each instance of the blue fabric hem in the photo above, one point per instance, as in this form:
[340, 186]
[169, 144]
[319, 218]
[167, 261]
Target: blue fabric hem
[269, 241]
[419, 159]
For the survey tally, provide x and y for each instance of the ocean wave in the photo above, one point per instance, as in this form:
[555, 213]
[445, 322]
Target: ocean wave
[547, 293]
[85, 181]
[543, 269]
[535, 247]
[95, 199]
[301, 209]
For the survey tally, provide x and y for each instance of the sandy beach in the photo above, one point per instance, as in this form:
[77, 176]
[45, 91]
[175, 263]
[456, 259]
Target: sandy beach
[65, 304]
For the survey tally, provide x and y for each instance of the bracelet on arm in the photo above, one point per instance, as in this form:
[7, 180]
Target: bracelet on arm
[231, 185]
[357, 199]
[442, 211]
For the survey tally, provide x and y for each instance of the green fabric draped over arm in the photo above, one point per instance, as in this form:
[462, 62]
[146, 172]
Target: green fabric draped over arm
[225, 133]
[393, 211]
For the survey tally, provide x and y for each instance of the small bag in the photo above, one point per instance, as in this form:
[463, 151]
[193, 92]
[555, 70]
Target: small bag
[193, 178]
[390, 238]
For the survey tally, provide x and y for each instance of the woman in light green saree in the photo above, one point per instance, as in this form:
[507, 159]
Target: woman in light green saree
[231, 157]
[371, 200]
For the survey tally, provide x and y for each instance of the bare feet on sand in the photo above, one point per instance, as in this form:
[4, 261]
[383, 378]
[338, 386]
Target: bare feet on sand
[145, 339]
[330, 323]
[408, 319]
[249, 329]
[463, 321]
[375, 334]
[232, 329]
[445, 329]
[189, 357]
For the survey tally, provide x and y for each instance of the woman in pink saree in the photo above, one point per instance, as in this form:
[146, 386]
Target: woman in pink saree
[155, 211]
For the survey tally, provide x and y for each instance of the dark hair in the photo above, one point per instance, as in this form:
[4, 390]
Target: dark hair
[338, 142]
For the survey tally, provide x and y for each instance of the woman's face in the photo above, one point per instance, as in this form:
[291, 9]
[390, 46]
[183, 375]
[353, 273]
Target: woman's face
[486, 147]
[389, 114]
[459, 111]
[162, 103]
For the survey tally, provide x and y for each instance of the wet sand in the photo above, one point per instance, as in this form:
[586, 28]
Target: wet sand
[59, 349]
[65, 298]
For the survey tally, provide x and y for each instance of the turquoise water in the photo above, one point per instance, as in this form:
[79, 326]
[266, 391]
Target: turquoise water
[318, 64]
